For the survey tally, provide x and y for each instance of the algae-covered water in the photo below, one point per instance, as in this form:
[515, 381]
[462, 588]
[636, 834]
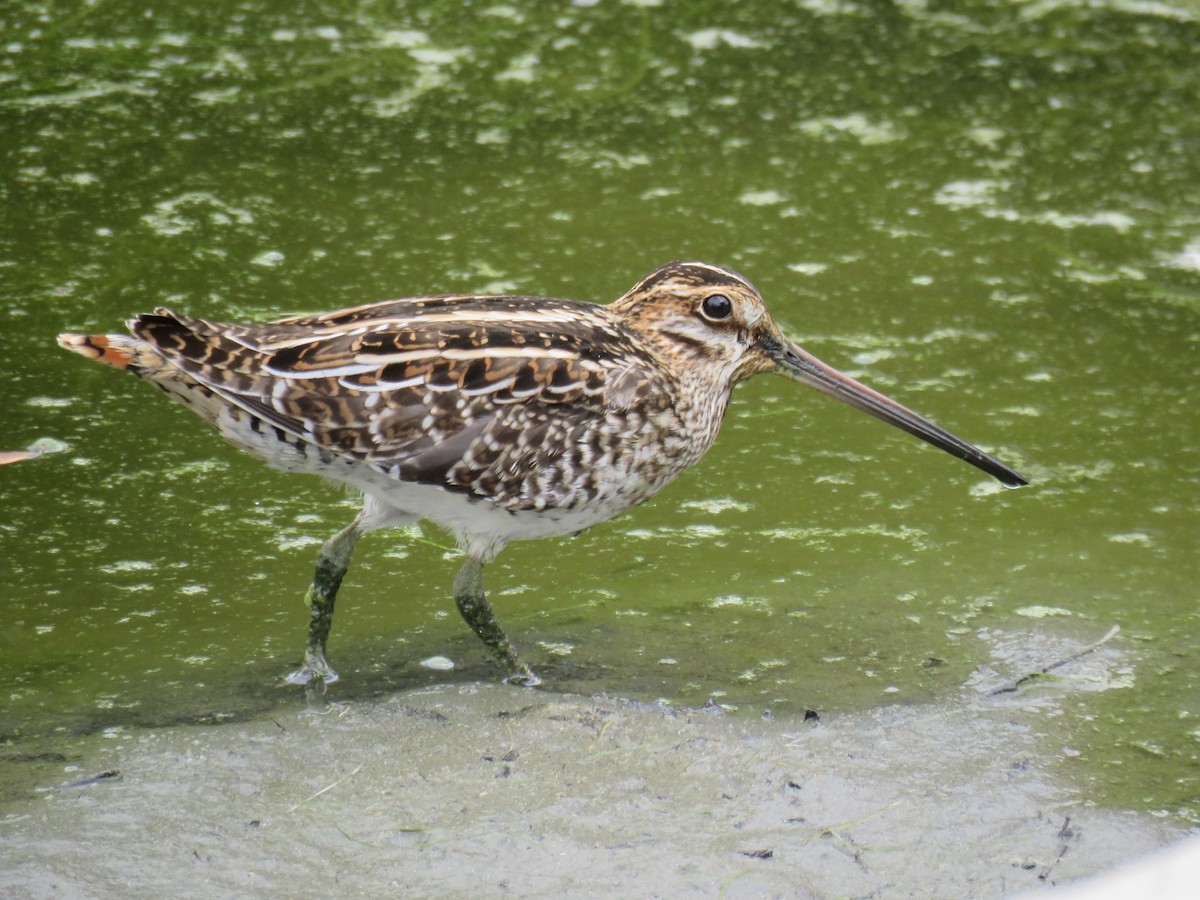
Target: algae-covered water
[989, 211]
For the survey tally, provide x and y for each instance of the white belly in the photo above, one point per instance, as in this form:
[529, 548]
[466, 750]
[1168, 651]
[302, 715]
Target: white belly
[480, 528]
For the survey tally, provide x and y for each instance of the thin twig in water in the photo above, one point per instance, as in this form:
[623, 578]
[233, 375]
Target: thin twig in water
[1065, 834]
[726, 882]
[87, 782]
[356, 840]
[603, 728]
[1046, 670]
[327, 788]
[850, 846]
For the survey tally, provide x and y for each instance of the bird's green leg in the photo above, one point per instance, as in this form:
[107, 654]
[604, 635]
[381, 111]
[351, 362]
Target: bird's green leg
[473, 604]
[332, 563]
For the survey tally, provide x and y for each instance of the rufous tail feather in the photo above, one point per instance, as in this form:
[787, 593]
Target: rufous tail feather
[110, 349]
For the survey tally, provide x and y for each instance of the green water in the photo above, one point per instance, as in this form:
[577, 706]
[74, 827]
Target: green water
[990, 211]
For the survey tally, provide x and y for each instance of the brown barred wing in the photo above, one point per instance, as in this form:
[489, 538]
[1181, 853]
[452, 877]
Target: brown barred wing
[469, 395]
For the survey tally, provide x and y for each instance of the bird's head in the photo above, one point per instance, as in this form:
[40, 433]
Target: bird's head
[712, 317]
[705, 316]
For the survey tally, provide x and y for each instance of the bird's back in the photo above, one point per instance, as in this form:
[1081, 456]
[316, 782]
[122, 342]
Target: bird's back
[518, 404]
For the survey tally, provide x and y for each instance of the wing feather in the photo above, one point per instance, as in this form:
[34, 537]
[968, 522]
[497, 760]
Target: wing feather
[463, 392]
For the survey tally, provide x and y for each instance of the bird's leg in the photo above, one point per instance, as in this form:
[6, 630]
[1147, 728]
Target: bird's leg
[332, 563]
[473, 604]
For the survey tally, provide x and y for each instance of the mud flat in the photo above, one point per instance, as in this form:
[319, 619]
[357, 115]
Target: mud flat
[493, 791]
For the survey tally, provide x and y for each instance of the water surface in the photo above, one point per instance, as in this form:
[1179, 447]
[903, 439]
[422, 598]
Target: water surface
[991, 213]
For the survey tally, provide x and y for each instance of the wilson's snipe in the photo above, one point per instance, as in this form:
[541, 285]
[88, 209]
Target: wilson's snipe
[497, 418]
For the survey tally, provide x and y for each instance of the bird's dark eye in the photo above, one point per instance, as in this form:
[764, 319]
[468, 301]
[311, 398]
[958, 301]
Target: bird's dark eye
[716, 306]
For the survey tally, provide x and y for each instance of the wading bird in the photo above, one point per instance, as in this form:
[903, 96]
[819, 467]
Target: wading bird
[495, 418]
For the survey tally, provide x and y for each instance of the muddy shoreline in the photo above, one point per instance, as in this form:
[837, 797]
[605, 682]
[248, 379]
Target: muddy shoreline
[503, 791]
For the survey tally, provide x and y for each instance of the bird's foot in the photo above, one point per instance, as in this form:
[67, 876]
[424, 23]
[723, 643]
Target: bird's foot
[315, 669]
[523, 676]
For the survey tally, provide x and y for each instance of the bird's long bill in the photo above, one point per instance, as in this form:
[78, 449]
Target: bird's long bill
[797, 363]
